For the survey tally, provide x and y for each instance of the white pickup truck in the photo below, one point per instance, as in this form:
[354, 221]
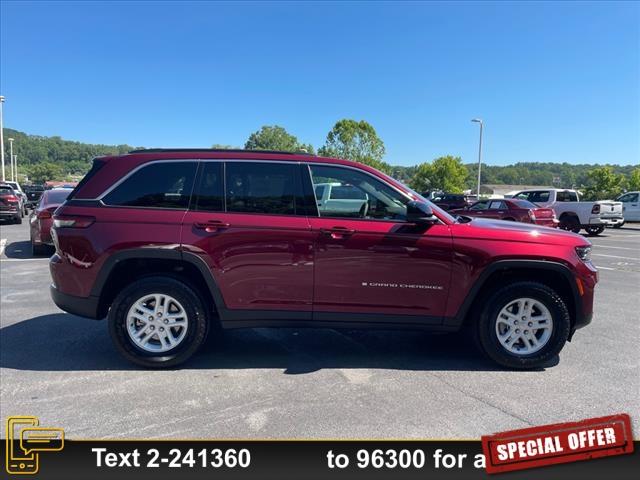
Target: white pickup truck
[573, 214]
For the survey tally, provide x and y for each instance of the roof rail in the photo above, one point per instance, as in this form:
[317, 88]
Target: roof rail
[221, 150]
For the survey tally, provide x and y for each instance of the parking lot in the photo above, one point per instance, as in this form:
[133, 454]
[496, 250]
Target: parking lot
[289, 383]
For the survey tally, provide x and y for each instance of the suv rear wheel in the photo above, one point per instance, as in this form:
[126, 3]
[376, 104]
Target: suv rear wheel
[523, 325]
[158, 322]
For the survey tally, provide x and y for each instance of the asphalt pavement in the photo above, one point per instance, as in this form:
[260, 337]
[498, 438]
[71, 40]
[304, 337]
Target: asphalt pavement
[308, 383]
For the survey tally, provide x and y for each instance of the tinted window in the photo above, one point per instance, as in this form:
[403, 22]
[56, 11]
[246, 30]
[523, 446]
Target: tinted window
[347, 192]
[479, 206]
[535, 197]
[523, 204]
[6, 190]
[159, 185]
[566, 197]
[629, 197]
[56, 196]
[261, 187]
[319, 191]
[373, 200]
[209, 194]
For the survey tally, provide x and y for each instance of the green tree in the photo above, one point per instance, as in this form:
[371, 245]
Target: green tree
[44, 171]
[356, 141]
[444, 173]
[633, 183]
[603, 184]
[223, 146]
[274, 137]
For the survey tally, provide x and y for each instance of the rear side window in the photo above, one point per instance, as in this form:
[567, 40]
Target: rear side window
[497, 205]
[158, 185]
[566, 197]
[261, 187]
[95, 167]
[209, 194]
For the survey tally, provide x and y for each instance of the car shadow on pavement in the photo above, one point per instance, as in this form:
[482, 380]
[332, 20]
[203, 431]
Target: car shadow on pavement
[21, 250]
[63, 342]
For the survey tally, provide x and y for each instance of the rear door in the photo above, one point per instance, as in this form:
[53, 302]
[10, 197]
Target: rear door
[247, 222]
[496, 209]
[370, 265]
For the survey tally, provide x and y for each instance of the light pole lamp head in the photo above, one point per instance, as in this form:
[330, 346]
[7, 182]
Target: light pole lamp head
[477, 120]
[1, 98]
[10, 139]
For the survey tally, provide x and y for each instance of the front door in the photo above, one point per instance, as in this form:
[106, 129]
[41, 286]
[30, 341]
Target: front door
[254, 237]
[371, 265]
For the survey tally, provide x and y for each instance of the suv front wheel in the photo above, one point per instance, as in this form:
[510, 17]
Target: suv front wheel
[158, 322]
[523, 325]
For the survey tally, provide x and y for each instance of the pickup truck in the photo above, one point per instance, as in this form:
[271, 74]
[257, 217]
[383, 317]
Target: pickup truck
[574, 214]
[341, 200]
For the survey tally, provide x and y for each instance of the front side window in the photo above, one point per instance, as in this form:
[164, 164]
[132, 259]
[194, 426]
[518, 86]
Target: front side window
[629, 197]
[158, 185]
[263, 187]
[357, 195]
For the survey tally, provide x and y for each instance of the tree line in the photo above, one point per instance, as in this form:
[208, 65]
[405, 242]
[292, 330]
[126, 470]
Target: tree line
[52, 158]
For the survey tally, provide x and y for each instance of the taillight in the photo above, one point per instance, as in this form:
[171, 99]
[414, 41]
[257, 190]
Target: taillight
[72, 221]
[44, 214]
[11, 198]
[596, 208]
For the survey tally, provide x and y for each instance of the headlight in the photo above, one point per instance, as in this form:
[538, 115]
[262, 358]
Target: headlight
[584, 253]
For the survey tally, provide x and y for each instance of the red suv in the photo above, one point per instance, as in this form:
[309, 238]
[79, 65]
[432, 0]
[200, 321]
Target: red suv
[172, 245]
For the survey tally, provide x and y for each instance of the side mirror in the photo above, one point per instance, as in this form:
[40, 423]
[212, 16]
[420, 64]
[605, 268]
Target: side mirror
[420, 213]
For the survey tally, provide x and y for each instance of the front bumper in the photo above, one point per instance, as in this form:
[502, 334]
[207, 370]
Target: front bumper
[81, 306]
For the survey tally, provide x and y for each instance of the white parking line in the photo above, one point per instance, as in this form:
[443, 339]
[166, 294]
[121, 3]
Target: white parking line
[614, 256]
[617, 248]
[3, 243]
[22, 260]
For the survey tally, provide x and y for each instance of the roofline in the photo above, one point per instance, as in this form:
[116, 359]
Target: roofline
[216, 150]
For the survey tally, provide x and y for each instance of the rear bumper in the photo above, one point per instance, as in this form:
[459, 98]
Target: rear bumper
[9, 213]
[81, 306]
[606, 221]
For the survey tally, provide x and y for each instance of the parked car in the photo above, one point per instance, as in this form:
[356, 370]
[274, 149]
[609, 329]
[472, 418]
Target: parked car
[33, 193]
[10, 208]
[575, 214]
[172, 245]
[450, 201]
[510, 209]
[630, 207]
[40, 220]
[21, 196]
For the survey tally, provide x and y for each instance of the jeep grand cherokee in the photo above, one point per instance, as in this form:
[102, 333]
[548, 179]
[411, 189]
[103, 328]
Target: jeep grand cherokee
[172, 245]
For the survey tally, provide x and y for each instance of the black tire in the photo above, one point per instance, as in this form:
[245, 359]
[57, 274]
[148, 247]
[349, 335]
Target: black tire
[485, 326]
[571, 223]
[17, 219]
[509, 219]
[194, 308]
[593, 231]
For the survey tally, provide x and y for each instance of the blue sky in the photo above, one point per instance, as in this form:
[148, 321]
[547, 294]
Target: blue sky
[553, 82]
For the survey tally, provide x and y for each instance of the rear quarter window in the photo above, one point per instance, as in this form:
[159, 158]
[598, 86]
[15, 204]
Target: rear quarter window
[157, 185]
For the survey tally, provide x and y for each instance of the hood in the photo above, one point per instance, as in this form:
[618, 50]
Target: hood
[517, 232]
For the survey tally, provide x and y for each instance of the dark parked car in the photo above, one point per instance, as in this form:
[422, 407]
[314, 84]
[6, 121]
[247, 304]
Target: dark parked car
[41, 219]
[33, 192]
[510, 209]
[450, 201]
[10, 207]
[172, 245]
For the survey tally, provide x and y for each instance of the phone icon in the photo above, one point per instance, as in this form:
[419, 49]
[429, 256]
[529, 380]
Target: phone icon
[18, 461]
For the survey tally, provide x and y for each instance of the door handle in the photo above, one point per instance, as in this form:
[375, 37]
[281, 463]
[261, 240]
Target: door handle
[337, 233]
[211, 226]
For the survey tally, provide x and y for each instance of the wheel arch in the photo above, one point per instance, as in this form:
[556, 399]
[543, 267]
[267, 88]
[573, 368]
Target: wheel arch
[553, 274]
[125, 267]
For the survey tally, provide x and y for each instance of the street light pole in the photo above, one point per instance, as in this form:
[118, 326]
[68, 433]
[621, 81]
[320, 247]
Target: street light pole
[2, 137]
[11, 156]
[478, 120]
[15, 164]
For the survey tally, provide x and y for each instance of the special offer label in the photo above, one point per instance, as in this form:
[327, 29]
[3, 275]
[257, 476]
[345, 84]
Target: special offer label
[558, 443]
